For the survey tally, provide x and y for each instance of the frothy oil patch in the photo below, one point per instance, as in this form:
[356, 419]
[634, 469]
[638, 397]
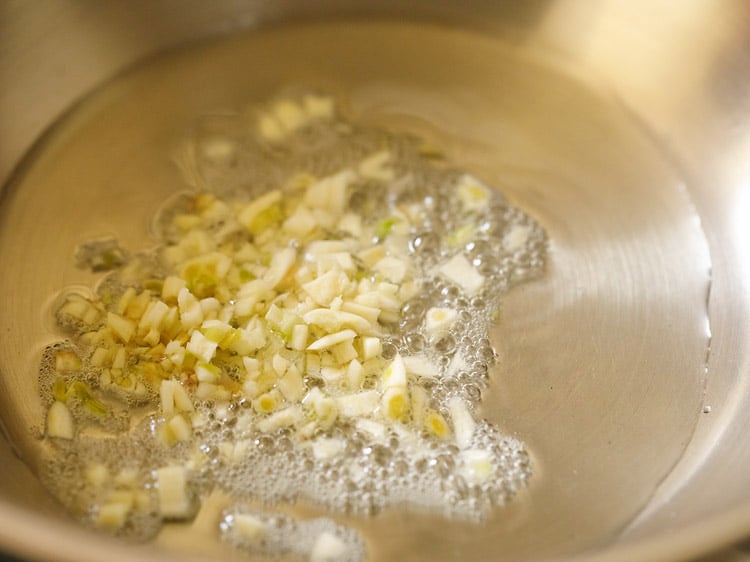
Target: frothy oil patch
[222, 359]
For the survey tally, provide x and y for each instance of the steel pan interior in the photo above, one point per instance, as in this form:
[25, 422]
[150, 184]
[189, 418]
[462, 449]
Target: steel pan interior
[688, 139]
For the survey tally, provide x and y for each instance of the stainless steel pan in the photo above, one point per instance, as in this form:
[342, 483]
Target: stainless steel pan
[637, 426]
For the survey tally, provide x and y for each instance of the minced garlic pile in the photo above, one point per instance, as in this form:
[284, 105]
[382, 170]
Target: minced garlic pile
[286, 312]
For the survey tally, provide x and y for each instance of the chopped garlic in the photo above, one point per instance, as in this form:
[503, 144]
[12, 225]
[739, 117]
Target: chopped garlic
[291, 384]
[462, 273]
[267, 402]
[270, 128]
[97, 474]
[327, 287]
[120, 356]
[472, 193]
[332, 339]
[516, 238]
[409, 290]
[76, 307]
[249, 339]
[179, 428]
[476, 465]
[334, 320]
[210, 307]
[332, 375]
[252, 366]
[67, 360]
[60, 421]
[317, 249]
[200, 346]
[323, 448]
[122, 327]
[371, 347]
[330, 192]
[174, 500]
[355, 374]
[175, 352]
[439, 320]
[359, 404]
[206, 372]
[252, 213]
[419, 404]
[463, 422]
[282, 418]
[191, 314]
[371, 256]
[300, 223]
[171, 288]
[113, 515]
[127, 477]
[393, 269]
[395, 403]
[299, 337]
[289, 114]
[328, 548]
[395, 374]
[154, 316]
[280, 364]
[249, 527]
[421, 366]
[373, 428]
[325, 408]
[344, 352]
[174, 398]
[281, 263]
[351, 224]
[100, 357]
[215, 330]
[435, 423]
[210, 391]
[369, 313]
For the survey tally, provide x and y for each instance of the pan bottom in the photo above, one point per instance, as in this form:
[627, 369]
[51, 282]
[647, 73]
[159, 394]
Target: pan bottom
[602, 360]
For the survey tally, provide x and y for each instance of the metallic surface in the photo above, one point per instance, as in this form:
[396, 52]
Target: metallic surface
[681, 69]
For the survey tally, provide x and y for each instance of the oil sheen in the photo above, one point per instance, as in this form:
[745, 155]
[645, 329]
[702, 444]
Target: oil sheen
[585, 354]
[372, 239]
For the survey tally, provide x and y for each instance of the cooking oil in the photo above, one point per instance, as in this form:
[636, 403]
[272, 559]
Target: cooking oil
[601, 360]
